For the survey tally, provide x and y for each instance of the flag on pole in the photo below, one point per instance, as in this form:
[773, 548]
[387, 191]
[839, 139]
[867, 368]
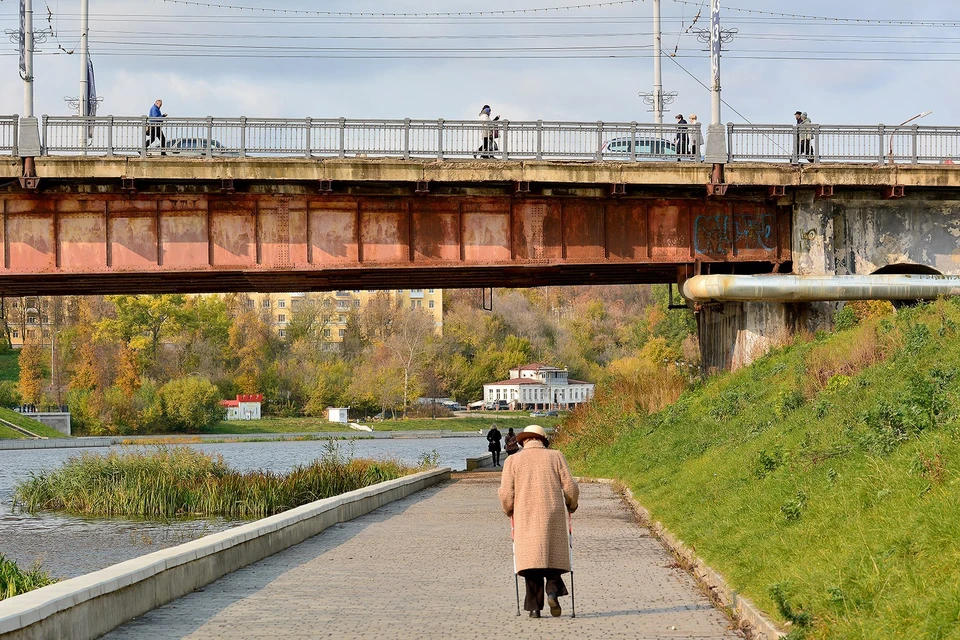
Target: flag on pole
[91, 89]
[23, 39]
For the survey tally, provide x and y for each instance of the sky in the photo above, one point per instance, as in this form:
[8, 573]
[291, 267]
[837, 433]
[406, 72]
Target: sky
[535, 59]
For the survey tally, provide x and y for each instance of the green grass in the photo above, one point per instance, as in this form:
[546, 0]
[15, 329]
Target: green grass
[318, 425]
[823, 481]
[14, 580]
[6, 433]
[10, 365]
[502, 420]
[172, 482]
[29, 424]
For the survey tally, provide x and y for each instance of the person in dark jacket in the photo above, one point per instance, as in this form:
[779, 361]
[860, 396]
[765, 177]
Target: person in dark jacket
[511, 446]
[683, 137]
[493, 438]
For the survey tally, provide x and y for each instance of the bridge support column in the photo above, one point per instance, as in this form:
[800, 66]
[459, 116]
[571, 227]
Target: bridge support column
[734, 334]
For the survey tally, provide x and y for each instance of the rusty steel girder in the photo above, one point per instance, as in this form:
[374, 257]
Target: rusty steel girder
[77, 243]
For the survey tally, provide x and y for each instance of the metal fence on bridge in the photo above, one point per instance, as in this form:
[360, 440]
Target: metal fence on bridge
[504, 140]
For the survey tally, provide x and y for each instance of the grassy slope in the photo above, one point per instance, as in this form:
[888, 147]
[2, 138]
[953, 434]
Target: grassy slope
[6, 433]
[819, 468]
[29, 424]
[318, 425]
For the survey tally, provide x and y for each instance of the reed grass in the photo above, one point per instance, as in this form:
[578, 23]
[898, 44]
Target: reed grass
[14, 580]
[178, 482]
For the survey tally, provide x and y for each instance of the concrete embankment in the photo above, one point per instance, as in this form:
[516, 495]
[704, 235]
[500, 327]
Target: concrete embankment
[89, 606]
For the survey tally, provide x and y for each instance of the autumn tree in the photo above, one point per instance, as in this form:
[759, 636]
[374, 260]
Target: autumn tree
[31, 373]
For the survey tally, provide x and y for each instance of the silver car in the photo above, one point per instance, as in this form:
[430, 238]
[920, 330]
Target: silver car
[197, 147]
[647, 149]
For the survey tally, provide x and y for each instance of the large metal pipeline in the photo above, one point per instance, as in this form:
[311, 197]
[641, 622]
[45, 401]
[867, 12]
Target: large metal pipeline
[785, 288]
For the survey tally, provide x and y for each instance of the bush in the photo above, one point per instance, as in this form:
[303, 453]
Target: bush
[190, 404]
[9, 396]
[14, 580]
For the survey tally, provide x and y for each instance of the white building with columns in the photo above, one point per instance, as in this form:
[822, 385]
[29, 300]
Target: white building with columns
[538, 386]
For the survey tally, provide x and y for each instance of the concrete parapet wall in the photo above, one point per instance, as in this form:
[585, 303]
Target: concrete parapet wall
[480, 461]
[54, 419]
[89, 606]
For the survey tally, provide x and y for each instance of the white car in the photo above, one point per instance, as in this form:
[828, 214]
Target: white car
[647, 149]
[197, 147]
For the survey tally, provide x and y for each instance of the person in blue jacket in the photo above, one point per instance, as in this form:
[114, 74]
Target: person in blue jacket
[153, 129]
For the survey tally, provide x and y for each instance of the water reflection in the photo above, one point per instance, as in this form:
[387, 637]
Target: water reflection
[69, 546]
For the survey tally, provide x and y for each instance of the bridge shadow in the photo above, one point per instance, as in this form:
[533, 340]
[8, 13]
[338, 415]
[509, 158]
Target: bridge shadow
[220, 595]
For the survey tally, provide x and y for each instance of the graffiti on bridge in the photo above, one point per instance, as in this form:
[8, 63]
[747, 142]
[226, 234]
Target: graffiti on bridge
[718, 234]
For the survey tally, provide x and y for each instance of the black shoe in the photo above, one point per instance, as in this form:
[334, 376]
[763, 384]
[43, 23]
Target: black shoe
[163, 153]
[554, 605]
[534, 614]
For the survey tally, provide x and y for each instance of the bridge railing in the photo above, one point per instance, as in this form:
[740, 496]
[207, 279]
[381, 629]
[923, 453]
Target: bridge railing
[312, 137]
[505, 140]
[8, 135]
[877, 144]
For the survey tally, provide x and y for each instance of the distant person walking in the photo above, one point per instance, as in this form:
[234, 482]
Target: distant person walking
[537, 490]
[489, 132]
[154, 130]
[493, 443]
[511, 446]
[696, 136]
[683, 137]
[804, 136]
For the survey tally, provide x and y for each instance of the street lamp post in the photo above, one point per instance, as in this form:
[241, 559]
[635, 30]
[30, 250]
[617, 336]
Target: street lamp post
[922, 114]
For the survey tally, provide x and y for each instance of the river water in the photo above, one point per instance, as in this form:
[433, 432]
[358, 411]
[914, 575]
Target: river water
[69, 546]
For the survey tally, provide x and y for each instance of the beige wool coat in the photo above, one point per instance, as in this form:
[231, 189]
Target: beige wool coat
[537, 489]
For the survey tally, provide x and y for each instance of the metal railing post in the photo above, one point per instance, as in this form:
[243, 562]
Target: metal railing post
[440, 139]
[143, 137]
[795, 157]
[307, 133]
[209, 153]
[343, 137]
[599, 155]
[633, 142]
[882, 131]
[729, 142]
[243, 136]
[816, 144]
[504, 139]
[110, 135]
[44, 144]
[916, 132]
[539, 139]
[406, 138]
[16, 136]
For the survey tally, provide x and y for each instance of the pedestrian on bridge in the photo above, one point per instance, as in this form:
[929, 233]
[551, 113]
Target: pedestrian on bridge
[537, 491]
[493, 443]
[153, 129]
[490, 133]
[804, 135]
[683, 138]
[696, 136]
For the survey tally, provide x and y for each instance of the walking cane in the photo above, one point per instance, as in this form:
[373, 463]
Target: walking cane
[573, 592]
[516, 576]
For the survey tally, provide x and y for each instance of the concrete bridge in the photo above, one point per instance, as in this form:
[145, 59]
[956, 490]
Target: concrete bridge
[141, 222]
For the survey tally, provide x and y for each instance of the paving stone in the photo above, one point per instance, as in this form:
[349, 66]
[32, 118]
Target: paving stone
[438, 565]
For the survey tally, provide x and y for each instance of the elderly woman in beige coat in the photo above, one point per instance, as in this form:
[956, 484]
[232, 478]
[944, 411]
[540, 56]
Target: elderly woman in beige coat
[537, 491]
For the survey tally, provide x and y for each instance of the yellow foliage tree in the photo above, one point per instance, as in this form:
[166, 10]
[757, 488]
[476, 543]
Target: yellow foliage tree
[31, 373]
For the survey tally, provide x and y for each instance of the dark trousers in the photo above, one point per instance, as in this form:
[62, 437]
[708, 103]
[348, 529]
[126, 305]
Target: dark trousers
[533, 601]
[805, 148]
[496, 457]
[153, 132]
[487, 147]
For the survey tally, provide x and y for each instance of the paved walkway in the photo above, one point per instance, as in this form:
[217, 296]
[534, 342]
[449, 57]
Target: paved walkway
[438, 565]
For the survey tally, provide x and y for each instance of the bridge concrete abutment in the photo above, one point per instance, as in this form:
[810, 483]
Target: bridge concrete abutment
[857, 232]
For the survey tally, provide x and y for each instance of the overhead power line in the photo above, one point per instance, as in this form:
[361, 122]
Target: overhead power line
[800, 16]
[386, 14]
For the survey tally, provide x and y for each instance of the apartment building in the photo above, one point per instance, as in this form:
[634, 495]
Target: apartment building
[335, 307]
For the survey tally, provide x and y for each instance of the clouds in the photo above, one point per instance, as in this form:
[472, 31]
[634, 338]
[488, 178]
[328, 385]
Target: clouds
[280, 65]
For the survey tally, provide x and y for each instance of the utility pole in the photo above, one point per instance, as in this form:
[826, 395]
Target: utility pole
[84, 57]
[716, 151]
[27, 71]
[658, 99]
[29, 129]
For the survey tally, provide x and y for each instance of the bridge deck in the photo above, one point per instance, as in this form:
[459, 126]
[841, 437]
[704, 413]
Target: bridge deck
[437, 565]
